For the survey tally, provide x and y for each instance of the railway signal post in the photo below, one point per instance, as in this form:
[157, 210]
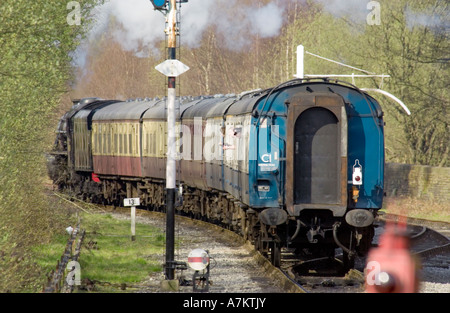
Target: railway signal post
[172, 68]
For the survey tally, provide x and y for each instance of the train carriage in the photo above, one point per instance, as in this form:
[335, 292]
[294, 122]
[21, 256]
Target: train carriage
[116, 139]
[154, 141]
[298, 165]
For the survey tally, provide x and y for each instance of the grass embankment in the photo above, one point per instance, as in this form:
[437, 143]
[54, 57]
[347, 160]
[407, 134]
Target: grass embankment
[108, 254]
[416, 208]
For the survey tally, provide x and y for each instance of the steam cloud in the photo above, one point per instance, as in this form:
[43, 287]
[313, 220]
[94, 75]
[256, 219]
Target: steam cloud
[354, 10]
[142, 26]
[232, 19]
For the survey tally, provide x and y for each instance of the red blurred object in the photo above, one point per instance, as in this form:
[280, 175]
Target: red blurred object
[95, 178]
[390, 267]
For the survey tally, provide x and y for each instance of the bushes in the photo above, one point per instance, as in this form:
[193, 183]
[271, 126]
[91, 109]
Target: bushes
[35, 41]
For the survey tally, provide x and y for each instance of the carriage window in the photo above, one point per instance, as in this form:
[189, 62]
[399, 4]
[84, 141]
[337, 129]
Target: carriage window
[116, 143]
[99, 143]
[108, 146]
[104, 144]
[125, 144]
[130, 144]
[120, 144]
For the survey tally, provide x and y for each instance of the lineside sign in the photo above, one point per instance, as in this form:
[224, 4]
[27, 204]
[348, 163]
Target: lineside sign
[131, 202]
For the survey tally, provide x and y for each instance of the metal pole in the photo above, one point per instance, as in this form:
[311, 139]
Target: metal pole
[171, 147]
[300, 66]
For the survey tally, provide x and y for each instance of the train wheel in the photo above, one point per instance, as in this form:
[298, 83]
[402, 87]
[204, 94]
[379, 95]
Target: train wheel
[348, 260]
[262, 245]
[259, 244]
[275, 253]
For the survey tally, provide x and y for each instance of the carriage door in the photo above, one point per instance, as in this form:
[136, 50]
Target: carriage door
[316, 169]
[316, 153]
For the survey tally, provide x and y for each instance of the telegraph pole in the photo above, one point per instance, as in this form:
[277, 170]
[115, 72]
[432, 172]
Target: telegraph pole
[171, 68]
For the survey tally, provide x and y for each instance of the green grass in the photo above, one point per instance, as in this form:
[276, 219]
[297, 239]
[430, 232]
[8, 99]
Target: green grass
[109, 255]
[46, 255]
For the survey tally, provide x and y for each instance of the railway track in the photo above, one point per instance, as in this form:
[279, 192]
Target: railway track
[323, 274]
[238, 267]
[302, 273]
[430, 247]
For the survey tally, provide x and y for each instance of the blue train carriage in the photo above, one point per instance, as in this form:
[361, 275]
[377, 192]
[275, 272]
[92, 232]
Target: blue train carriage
[317, 150]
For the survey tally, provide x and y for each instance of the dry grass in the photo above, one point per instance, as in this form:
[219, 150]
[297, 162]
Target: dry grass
[417, 208]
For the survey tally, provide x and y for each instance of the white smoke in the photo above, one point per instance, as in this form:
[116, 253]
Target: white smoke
[141, 27]
[267, 20]
[134, 24]
[433, 18]
[233, 20]
[354, 10]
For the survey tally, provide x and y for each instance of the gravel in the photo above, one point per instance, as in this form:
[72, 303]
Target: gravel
[435, 275]
[233, 267]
